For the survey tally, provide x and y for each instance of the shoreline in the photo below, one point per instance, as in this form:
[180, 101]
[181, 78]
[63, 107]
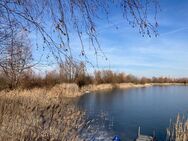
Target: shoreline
[109, 87]
[72, 90]
[44, 110]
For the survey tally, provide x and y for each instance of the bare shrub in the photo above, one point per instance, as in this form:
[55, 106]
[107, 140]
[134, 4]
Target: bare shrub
[30, 80]
[3, 82]
[51, 79]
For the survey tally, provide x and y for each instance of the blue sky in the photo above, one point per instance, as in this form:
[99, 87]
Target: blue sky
[128, 51]
[166, 55]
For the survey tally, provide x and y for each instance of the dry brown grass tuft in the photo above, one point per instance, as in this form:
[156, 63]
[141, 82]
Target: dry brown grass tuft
[39, 114]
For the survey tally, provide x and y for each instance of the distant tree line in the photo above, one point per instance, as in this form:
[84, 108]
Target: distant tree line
[16, 69]
[75, 72]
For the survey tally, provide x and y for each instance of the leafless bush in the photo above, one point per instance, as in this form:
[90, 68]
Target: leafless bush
[108, 76]
[145, 80]
[3, 82]
[51, 79]
[30, 80]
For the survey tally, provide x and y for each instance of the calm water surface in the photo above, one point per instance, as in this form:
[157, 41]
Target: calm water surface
[122, 111]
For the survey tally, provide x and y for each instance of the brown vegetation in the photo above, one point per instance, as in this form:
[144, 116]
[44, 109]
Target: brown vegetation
[79, 76]
[47, 114]
[39, 115]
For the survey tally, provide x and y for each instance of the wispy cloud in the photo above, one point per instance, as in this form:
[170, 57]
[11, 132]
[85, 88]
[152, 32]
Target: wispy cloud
[128, 51]
[174, 31]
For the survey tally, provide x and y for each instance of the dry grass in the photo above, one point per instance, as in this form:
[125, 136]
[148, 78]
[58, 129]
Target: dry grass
[46, 114]
[39, 114]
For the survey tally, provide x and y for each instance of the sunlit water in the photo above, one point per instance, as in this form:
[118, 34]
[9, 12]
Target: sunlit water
[121, 112]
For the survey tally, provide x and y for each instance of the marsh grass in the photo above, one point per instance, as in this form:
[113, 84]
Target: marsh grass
[39, 114]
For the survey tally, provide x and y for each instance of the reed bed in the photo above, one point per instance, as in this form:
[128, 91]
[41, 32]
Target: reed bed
[40, 115]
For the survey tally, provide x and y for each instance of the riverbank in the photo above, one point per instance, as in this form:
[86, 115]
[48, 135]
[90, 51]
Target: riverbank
[108, 87]
[49, 113]
[72, 90]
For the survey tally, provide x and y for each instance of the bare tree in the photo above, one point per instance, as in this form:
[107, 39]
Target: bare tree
[63, 17]
[15, 58]
[70, 70]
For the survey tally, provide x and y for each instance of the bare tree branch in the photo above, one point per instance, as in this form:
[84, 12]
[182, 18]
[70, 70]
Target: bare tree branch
[70, 16]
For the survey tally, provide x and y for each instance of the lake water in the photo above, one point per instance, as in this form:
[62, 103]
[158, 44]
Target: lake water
[121, 112]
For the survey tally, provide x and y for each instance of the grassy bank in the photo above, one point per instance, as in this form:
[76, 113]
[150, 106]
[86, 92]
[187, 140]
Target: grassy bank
[107, 87]
[39, 114]
[49, 114]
